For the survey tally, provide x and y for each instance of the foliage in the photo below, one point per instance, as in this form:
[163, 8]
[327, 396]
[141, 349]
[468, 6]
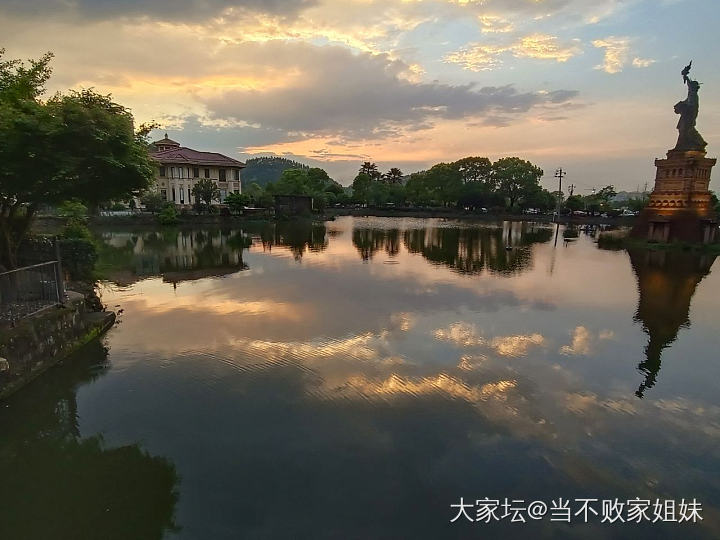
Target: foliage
[264, 170]
[516, 178]
[574, 203]
[371, 170]
[76, 228]
[237, 202]
[79, 255]
[77, 146]
[152, 201]
[168, 215]
[205, 191]
[715, 202]
[393, 176]
[73, 209]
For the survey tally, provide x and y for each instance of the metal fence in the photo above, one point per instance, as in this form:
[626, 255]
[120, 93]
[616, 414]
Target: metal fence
[25, 291]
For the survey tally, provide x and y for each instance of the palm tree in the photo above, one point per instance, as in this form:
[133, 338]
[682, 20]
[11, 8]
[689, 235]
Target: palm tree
[394, 176]
[370, 169]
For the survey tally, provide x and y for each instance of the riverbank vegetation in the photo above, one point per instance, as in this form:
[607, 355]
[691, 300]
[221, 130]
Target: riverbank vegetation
[78, 146]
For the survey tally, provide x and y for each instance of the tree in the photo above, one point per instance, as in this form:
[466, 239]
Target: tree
[417, 189]
[78, 146]
[476, 169]
[444, 182]
[371, 170]
[152, 201]
[237, 202]
[574, 203]
[361, 187]
[516, 178]
[393, 176]
[205, 191]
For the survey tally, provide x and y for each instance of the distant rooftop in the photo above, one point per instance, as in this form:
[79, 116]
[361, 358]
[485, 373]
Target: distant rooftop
[187, 156]
[166, 142]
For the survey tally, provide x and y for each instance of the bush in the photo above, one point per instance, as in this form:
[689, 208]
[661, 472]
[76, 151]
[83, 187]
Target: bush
[152, 201]
[75, 228]
[73, 209]
[78, 257]
[168, 215]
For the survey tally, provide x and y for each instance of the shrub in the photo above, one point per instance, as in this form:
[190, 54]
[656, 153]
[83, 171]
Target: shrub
[75, 228]
[168, 215]
[72, 209]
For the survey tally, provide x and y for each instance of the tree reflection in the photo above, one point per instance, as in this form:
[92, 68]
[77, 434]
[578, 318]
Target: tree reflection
[176, 254]
[474, 250]
[666, 281]
[57, 484]
[298, 236]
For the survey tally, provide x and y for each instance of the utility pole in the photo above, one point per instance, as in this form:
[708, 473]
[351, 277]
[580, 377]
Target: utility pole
[572, 190]
[559, 173]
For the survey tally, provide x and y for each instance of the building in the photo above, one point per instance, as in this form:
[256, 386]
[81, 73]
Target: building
[180, 168]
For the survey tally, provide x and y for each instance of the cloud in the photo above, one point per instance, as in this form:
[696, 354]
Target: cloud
[481, 57]
[616, 53]
[642, 62]
[584, 342]
[178, 10]
[336, 92]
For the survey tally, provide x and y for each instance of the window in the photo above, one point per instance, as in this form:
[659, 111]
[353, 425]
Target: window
[207, 173]
[172, 172]
[162, 171]
[679, 172]
[223, 177]
[182, 195]
[173, 191]
[163, 194]
[196, 172]
[237, 175]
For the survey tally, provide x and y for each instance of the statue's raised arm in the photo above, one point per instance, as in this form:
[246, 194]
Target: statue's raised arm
[688, 137]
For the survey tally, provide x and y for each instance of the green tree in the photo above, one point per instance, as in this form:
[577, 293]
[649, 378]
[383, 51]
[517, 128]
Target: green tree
[417, 189]
[445, 182]
[77, 146]
[476, 169]
[393, 176]
[371, 170]
[237, 202]
[361, 188]
[516, 178]
[152, 201]
[205, 191]
[574, 203]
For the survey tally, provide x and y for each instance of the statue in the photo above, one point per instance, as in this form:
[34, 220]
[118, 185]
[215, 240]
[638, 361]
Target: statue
[689, 138]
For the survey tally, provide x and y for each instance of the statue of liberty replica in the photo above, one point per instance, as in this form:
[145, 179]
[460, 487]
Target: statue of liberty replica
[680, 207]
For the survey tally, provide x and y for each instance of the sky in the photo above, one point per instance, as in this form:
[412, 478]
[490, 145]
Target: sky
[586, 85]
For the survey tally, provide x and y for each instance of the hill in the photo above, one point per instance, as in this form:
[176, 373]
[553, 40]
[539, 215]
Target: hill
[263, 170]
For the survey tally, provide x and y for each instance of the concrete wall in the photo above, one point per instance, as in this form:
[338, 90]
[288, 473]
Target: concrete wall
[39, 342]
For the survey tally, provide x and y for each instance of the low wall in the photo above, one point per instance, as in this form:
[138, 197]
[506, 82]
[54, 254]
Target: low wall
[39, 342]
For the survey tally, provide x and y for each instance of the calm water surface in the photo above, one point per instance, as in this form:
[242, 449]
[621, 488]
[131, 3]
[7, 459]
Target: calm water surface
[354, 379]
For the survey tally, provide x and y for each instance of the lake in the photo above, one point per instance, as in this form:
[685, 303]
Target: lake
[356, 378]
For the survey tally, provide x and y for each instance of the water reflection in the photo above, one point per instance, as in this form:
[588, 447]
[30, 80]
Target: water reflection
[297, 235]
[472, 250]
[667, 281]
[56, 484]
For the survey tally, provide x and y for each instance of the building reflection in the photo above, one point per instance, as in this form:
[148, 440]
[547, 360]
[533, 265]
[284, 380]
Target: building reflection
[176, 255]
[666, 282]
[478, 249]
[57, 484]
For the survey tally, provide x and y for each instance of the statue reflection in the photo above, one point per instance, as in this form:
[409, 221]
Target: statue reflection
[57, 484]
[666, 281]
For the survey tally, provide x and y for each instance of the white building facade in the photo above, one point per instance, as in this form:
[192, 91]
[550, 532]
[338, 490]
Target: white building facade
[180, 168]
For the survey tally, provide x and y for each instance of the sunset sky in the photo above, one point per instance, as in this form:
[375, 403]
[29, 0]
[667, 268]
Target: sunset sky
[588, 85]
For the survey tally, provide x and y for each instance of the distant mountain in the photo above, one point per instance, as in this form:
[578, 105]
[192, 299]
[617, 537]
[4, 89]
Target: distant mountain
[267, 169]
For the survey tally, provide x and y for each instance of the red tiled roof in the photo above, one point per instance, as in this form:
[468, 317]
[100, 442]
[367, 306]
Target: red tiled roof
[188, 156]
